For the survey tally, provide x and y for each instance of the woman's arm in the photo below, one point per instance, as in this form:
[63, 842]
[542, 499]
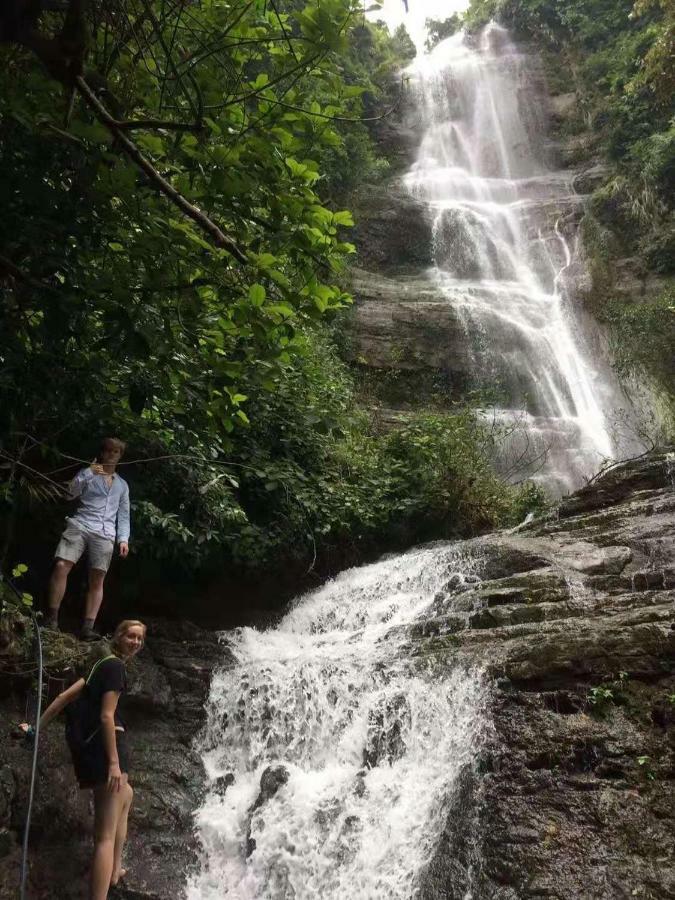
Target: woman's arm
[108, 707]
[59, 703]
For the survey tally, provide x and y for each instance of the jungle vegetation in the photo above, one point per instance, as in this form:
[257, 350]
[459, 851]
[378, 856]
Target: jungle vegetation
[175, 180]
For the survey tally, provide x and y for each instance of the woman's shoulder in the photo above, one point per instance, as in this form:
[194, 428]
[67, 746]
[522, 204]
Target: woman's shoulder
[108, 669]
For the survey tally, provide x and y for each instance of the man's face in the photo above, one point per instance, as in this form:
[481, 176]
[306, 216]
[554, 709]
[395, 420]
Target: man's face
[110, 455]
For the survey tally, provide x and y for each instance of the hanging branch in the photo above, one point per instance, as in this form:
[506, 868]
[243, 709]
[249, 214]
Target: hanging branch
[158, 123]
[202, 220]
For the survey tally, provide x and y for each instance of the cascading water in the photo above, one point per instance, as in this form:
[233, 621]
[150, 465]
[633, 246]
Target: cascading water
[502, 256]
[334, 754]
[357, 746]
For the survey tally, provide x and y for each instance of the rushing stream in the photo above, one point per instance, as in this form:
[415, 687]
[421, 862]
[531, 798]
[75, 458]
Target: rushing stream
[365, 742]
[502, 256]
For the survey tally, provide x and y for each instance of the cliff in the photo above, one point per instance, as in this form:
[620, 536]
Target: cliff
[571, 618]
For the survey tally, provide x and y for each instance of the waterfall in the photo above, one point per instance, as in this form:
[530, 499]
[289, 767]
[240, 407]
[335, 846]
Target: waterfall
[358, 745]
[503, 250]
[335, 746]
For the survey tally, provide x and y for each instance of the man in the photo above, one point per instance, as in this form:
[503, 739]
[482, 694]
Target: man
[101, 518]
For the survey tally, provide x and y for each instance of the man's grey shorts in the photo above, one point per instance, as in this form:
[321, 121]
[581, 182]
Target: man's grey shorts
[74, 541]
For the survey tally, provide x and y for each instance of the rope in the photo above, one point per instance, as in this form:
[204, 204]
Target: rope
[38, 713]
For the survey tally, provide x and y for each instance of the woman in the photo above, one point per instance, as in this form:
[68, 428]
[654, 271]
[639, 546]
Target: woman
[96, 736]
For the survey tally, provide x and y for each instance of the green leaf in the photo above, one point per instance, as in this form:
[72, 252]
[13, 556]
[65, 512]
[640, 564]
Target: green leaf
[343, 218]
[257, 294]
[281, 309]
[152, 143]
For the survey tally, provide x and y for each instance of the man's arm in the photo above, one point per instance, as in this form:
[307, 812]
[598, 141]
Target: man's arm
[124, 522]
[82, 478]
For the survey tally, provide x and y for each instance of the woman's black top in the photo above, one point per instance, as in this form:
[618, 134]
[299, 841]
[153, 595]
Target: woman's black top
[108, 675]
[84, 728]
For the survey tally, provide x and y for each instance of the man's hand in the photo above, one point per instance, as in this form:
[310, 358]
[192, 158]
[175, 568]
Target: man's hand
[96, 467]
[124, 549]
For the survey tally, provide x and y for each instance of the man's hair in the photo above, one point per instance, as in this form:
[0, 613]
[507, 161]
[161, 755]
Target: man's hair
[113, 442]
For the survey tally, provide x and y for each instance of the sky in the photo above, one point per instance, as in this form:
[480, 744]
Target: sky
[393, 12]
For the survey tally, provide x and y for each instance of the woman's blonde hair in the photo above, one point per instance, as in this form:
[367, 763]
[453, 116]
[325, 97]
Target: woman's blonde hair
[122, 629]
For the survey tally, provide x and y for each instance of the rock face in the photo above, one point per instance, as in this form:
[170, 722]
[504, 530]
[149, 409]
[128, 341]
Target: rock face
[168, 684]
[571, 618]
[406, 324]
[575, 623]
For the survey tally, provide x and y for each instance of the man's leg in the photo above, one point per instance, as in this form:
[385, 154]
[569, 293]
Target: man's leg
[57, 589]
[94, 600]
[69, 550]
[100, 553]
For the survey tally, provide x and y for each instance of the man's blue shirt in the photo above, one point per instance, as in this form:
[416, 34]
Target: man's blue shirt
[103, 509]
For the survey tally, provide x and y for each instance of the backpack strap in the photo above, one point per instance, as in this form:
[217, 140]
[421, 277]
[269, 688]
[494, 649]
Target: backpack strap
[91, 675]
[97, 664]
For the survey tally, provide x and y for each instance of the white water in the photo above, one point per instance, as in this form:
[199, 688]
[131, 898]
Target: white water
[502, 255]
[372, 741]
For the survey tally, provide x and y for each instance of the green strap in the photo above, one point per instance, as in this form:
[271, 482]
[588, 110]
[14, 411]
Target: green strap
[94, 668]
[97, 664]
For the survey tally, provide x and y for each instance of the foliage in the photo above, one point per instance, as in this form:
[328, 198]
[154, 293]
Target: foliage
[645, 765]
[643, 334]
[172, 254]
[311, 475]
[601, 697]
[371, 63]
[440, 29]
[403, 45]
[15, 597]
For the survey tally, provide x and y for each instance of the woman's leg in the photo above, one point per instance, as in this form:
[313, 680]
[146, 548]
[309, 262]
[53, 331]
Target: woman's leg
[107, 809]
[121, 834]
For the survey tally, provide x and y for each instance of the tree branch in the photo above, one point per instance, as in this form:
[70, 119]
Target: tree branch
[132, 151]
[9, 268]
[159, 123]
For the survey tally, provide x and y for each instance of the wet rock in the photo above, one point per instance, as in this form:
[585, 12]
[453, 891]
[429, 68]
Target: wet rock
[593, 560]
[270, 781]
[577, 802]
[655, 580]
[618, 483]
[222, 783]
[590, 178]
[384, 246]
[386, 732]
[360, 784]
[564, 106]
[406, 323]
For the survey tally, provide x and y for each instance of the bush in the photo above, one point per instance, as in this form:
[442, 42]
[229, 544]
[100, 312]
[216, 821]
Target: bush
[643, 335]
[313, 475]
